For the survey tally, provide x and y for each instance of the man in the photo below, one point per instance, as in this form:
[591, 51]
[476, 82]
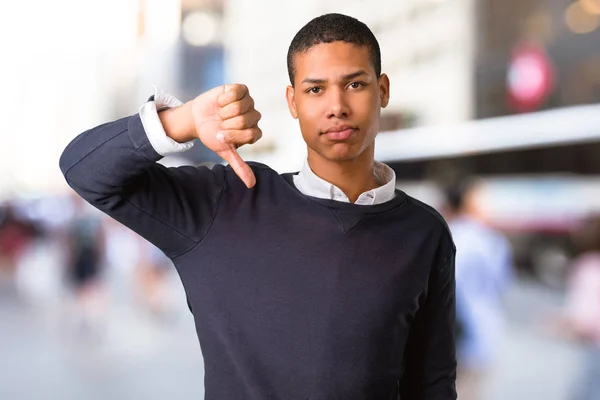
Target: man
[483, 275]
[579, 320]
[322, 284]
[85, 246]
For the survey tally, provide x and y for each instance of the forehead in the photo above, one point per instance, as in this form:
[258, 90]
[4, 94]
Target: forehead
[328, 60]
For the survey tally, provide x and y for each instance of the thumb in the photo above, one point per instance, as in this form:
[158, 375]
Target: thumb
[239, 166]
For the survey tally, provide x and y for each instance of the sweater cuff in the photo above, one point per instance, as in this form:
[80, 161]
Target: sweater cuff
[140, 141]
[157, 136]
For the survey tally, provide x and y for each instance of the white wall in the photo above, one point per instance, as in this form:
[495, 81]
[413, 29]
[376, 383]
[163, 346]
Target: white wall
[71, 64]
[57, 83]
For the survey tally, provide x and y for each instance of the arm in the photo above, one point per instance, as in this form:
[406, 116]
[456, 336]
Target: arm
[113, 167]
[430, 357]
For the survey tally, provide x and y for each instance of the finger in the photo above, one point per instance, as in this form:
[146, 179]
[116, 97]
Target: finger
[240, 137]
[239, 107]
[231, 94]
[240, 122]
[240, 167]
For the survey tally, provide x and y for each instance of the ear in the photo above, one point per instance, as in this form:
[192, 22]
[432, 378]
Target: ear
[384, 89]
[290, 96]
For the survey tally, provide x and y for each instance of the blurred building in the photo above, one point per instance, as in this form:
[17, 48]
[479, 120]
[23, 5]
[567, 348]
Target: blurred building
[561, 67]
[60, 80]
[529, 56]
[76, 64]
[536, 129]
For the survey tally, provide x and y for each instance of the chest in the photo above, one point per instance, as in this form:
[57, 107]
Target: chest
[316, 278]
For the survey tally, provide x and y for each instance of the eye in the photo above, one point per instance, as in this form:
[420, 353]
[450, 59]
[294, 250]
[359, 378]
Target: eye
[356, 85]
[314, 90]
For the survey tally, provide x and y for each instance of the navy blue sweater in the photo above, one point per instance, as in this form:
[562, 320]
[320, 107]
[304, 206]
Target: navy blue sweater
[293, 297]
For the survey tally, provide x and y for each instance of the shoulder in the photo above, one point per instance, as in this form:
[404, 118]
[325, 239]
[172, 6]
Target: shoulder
[428, 215]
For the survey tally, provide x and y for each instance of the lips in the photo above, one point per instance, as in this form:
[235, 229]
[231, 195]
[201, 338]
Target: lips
[340, 132]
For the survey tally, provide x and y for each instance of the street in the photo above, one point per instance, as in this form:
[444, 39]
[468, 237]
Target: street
[137, 356]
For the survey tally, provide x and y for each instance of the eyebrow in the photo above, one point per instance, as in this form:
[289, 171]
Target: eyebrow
[353, 75]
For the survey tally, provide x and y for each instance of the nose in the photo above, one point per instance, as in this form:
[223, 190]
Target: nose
[337, 105]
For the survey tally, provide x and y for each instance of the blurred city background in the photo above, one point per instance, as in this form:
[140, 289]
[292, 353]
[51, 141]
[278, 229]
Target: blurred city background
[494, 120]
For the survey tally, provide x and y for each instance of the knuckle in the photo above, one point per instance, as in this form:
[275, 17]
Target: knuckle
[254, 119]
[239, 90]
[257, 135]
[246, 106]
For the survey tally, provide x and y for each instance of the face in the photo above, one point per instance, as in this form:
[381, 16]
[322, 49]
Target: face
[337, 99]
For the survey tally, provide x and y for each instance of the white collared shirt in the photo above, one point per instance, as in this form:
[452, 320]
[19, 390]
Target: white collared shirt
[306, 180]
[312, 185]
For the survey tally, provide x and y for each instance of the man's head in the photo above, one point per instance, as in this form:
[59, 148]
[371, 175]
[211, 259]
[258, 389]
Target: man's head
[463, 198]
[331, 28]
[337, 89]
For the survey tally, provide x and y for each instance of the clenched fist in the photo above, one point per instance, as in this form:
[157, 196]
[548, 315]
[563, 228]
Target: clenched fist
[224, 119]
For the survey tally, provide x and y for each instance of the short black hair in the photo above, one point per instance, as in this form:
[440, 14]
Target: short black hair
[456, 194]
[329, 28]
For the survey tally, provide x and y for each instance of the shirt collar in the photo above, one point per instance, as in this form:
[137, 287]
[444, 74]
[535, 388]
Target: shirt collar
[312, 185]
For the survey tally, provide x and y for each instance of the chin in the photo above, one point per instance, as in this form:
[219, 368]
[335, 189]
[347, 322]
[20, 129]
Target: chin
[342, 156]
[339, 152]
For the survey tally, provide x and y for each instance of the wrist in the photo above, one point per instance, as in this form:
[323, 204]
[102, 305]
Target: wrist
[178, 123]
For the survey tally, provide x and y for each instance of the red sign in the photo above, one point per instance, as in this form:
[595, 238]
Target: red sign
[530, 78]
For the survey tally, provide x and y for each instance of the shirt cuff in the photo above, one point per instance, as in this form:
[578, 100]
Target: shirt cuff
[157, 136]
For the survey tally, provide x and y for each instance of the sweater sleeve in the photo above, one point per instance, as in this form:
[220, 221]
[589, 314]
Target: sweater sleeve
[114, 167]
[430, 363]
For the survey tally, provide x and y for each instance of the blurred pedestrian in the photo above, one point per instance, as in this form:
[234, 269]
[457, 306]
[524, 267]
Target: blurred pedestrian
[580, 320]
[16, 234]
[483, 273]
[152, 274]
[84, 257]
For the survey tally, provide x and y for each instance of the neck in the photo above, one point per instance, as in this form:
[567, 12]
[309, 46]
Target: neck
[353, 177]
